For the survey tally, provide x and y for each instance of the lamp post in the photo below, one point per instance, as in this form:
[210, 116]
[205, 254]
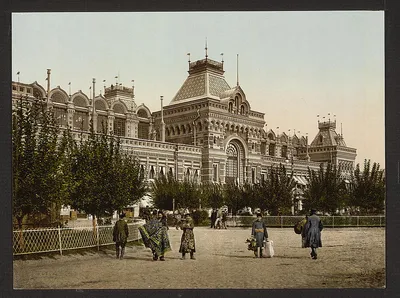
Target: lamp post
[291, 176]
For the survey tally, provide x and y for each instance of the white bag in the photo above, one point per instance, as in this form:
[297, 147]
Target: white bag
[269, 249]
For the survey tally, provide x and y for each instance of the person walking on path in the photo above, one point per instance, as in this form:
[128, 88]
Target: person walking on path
[260, 234]
[213, 218]
[224, 219]
[187, 241]
[312, 233]
[155, 237]
[120, 236]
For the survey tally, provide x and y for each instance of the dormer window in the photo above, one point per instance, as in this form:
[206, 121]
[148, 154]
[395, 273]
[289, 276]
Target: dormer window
[321, 138]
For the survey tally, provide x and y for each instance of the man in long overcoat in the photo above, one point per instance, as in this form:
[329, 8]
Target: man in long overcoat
[312, 233]
[259, 232]
[120, 236]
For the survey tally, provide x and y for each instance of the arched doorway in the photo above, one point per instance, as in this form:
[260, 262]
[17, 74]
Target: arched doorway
[234, 170]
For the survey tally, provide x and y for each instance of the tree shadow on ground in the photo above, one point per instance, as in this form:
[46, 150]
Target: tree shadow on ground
[288, 257]
[233, 256]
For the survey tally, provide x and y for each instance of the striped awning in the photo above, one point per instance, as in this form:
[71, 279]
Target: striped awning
[299, 180]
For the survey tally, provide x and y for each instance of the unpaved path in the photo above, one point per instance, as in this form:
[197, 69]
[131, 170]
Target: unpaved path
[349, 258]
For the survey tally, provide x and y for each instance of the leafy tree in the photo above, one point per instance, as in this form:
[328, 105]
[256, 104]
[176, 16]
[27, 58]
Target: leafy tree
[367, 189]
[233, 197]
[212, 195]
[36, 160]
[276, 192]
[104, 178]
[325, 189]
[163, 191]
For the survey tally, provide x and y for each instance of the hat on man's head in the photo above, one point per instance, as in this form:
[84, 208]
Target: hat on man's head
[259, 214]
[154, 212]
[122, 215]
[313, 211]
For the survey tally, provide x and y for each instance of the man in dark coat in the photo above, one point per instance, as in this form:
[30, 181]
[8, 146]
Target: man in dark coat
[312, 233]
[213, 218]
[120, 236]
[259, 232]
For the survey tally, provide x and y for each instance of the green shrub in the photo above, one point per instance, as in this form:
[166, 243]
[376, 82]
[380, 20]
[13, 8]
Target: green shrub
[200, 217]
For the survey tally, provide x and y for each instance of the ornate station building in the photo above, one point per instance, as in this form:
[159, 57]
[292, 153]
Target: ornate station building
[208, 132]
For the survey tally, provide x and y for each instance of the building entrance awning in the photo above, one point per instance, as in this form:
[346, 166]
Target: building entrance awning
[299, 180]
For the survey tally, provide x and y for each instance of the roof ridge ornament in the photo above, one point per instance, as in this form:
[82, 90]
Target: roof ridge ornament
[206, 49]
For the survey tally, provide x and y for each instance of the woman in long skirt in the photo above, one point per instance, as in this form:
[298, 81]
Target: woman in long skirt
[187, 240]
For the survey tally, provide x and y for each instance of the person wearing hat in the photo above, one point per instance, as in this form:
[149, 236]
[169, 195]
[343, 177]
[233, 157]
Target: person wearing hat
[155, 237]
[312, 233]
[120, 236]
[187, 239]
[259, 232]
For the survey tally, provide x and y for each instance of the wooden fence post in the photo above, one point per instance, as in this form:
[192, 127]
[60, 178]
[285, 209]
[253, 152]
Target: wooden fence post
[98, 237]
[59, 239]
[333, 221]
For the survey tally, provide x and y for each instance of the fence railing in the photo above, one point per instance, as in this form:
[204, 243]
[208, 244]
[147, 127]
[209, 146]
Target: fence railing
[328, 221]
[61, 239]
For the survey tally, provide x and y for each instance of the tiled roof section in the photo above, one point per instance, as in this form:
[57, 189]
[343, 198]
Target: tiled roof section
[193, 86]
[228, 93]
[217, 85]
[329, 138]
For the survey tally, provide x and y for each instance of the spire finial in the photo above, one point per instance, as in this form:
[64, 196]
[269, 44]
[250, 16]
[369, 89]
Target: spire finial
[222, 58]
[206, 49]
[237, 69]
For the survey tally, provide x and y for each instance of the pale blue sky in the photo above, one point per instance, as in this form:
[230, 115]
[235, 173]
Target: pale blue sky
[292, 65]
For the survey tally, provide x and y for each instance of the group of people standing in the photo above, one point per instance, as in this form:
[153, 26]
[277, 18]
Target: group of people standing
[218, 218]
[155, 236]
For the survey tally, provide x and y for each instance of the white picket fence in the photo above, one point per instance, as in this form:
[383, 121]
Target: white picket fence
[61, 239]
[328, 221]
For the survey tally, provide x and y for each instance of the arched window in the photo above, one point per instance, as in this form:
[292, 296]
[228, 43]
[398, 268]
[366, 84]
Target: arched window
[230, 107]
[242, 110]
[152, 173]
[141, 174]
[232, 163]
[271, 150]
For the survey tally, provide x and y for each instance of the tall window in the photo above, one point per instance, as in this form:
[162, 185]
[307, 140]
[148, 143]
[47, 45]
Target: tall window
[284, 151]
[152, 172]
[143, 130]
[80, 120]
[102, 124]
[253, 175]
[119, 127]
[271, 149]
[61, 116]
[215, 172]
[232, 163]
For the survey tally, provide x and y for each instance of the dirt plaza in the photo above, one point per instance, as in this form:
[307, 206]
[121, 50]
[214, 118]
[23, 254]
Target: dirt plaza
[349, 258]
